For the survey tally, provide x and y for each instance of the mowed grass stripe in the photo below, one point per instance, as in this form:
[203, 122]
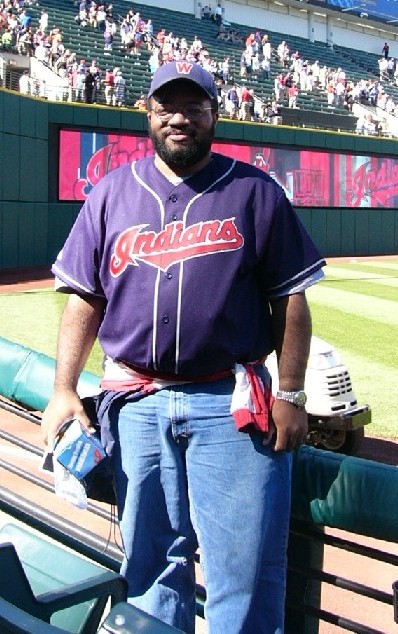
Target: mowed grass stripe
[378, 269]
[390, 265]
[362, 306]
[361, 287]
[31, 319]
[375, 341]
[333, 272]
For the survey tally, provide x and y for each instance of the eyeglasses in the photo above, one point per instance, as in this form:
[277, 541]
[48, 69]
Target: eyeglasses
[165, 112]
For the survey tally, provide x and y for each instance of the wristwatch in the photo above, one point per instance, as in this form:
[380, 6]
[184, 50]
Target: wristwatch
[297, 398]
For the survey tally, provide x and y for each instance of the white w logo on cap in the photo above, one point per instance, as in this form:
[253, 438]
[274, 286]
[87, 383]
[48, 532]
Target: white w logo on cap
[184, 67]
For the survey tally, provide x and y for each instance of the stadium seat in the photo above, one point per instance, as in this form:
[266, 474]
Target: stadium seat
[122, 619]
[53, 584]
[13, 620]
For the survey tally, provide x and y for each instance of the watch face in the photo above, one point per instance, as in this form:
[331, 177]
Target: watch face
[300, 399]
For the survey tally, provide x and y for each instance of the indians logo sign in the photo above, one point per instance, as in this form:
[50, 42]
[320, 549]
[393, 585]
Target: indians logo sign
[377, 183]
[308, 178]
[174, 244]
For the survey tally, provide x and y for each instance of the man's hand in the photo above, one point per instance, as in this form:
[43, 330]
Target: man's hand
[291, 425]
[291, 322]
[63, 406]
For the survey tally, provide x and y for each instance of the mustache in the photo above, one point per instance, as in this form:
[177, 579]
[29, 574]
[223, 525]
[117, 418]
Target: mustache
[184, 127]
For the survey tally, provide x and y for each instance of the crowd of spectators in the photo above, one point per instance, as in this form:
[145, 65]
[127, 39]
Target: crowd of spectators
[16, 26]
[300, 76]
[83, 80]
[78, 79]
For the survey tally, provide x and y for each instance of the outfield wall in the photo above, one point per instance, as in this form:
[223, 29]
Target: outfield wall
[34, 222]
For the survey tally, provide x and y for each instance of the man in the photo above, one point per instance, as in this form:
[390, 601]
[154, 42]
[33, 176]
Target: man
[293, 94]
[89, 87]
[25, 19]
[96, 73]
[246, 100]
[206, 12]
[43, 21]
[232, 103]
[119, 89]
[266, 67]
[218, 14]
[24, 83]
[190, 265]
[109, 83]
[385, 50]
[140, 103]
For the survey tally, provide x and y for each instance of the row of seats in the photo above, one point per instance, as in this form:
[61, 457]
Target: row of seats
[368, 62]
[88, 43]
[72, 596]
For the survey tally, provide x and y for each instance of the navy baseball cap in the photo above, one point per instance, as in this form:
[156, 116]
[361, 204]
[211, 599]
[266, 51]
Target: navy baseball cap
[183, 69]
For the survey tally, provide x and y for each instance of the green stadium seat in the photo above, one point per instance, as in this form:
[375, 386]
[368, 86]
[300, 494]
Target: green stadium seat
[15, 621]
[53, 584]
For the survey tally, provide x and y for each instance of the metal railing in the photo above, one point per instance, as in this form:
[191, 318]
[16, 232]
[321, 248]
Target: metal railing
[306, 544]
[304, 575]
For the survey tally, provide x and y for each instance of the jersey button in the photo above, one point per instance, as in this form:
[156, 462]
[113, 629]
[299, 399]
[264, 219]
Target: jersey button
[174, 217]
[169, 275]
[173, 198]
[165, 319]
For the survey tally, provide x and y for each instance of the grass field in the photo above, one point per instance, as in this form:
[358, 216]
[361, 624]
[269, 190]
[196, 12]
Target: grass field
[355, 308]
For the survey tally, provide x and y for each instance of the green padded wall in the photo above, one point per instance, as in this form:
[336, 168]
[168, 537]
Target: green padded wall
[33, 224]
[27, 376]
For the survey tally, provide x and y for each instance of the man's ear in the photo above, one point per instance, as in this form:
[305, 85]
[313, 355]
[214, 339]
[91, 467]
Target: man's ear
[149, 109]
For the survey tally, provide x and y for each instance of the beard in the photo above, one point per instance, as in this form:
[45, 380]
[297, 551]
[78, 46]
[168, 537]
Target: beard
[186, 156]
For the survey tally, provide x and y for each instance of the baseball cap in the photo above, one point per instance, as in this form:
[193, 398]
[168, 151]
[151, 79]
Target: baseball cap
[183, 69]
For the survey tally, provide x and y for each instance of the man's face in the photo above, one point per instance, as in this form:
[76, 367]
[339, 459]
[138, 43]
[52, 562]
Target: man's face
[183, 141]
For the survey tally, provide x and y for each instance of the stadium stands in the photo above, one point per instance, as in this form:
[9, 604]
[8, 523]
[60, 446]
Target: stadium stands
[87, 42]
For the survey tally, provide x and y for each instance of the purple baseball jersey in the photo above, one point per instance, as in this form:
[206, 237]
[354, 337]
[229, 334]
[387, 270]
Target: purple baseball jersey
[186, 270]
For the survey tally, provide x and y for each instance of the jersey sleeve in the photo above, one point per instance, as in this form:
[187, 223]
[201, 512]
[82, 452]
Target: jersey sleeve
[290, 258]
[77, 265]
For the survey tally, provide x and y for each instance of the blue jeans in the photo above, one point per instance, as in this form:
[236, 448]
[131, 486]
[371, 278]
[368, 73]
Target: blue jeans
[186, 477]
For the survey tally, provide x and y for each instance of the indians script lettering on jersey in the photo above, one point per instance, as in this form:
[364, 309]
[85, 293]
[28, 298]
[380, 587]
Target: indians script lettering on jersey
[139, 245]
[174, 244]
